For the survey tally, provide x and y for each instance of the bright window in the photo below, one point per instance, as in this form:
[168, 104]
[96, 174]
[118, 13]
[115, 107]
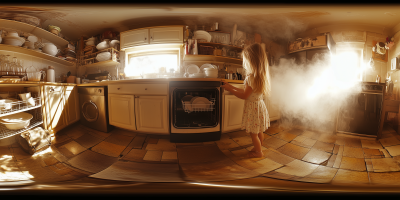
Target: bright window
[151, 61]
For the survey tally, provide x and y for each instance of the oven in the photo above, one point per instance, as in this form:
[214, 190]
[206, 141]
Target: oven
[360, 113]
[195, 111]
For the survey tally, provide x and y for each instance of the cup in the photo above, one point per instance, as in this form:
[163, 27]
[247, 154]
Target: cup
[78, 80]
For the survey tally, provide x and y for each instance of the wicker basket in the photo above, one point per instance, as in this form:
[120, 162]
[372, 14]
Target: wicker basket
[206, 50]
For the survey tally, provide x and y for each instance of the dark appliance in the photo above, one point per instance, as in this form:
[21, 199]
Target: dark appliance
[188, 123]
[360, 114]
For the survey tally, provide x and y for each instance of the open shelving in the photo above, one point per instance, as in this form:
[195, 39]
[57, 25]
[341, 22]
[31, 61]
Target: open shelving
[212, 58]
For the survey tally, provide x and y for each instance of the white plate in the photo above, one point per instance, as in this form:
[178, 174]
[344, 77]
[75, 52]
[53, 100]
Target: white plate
[192, 69]
[201, 102]
[202, 35]
[206, 66]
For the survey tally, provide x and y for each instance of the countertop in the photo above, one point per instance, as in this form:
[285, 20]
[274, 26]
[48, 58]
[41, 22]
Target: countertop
[105, 83]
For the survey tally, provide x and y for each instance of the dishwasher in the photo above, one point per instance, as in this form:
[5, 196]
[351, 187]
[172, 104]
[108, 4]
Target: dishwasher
[94, 108]
[12, 104]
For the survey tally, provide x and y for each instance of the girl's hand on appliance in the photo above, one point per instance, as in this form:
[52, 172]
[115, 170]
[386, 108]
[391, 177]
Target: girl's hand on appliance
[225, 85]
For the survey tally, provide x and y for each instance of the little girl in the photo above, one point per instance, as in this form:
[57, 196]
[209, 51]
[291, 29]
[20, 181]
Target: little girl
[257, 84]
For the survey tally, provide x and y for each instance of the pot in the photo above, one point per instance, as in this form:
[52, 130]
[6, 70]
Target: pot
[50, 48]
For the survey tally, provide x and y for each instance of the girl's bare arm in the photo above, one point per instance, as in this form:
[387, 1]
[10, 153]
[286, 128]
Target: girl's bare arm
[240, 93]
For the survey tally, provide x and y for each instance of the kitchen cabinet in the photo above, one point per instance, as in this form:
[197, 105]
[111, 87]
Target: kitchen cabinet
[61, 106]
[273, 110]
[151, 114]
[154, 35]
[140, 107]
[122, 111]
[232, 113]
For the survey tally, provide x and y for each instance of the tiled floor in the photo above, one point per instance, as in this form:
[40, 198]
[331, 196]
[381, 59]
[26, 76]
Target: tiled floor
[294, 157]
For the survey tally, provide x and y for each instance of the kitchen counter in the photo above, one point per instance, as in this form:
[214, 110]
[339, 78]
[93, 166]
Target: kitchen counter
[34, 83]
[157, 80]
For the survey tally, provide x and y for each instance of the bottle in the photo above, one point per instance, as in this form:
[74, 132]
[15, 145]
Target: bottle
[50, 74]
[195, 48]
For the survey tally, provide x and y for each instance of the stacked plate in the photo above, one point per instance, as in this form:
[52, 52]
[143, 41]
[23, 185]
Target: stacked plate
[103, 56]
[202, 35]
[12, 38]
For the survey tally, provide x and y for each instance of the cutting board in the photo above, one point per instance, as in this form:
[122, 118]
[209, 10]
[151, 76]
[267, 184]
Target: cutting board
[377, 56]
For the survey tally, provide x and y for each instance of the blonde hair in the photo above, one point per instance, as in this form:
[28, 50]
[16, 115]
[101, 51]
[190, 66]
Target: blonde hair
[255, 63]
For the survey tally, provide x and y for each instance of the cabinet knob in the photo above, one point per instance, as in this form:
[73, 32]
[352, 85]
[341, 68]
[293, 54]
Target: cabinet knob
[151, 37]
[145, 88]
[145, 38]
[118, 88]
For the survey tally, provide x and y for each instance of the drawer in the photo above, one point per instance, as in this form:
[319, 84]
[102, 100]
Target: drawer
[150, 89]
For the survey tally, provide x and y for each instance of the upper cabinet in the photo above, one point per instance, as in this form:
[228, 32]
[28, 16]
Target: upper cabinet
[154, 35]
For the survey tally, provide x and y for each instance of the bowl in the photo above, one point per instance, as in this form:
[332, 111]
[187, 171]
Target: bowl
[103, 45]
[25, 96]
[16, 121]
[14, 41]
[114, 43]
[103, 56]
[12, 34]
[6, 104]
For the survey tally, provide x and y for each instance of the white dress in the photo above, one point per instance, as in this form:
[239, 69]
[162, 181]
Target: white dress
[255, 115]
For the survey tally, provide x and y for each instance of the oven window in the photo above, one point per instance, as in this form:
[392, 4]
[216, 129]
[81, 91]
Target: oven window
[190, 115]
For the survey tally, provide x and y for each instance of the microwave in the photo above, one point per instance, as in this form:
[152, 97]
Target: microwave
[395, 64]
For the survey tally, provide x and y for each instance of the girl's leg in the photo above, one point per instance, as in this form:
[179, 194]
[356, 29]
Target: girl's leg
[261, 138]
[257, 147]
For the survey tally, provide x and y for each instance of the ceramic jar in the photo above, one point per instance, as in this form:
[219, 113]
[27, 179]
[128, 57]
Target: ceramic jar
[50, 48]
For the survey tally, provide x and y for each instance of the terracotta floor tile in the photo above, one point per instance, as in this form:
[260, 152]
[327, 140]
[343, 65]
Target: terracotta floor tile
[327, 138]
[340, 140]
[368, 164]
[226, 143]
[242, 141]
[74, 147]
[199, 154]
[331, 161]
[371, 144]
[75, 132]
[372, 153]
[278, 157]
[336, 149]
[138, 141]
[221, 170]
[241, 153]
[273, 130]
[274, 143]
[152, 140]
[353, 152]
[119, 139]
[109, 149]
[308, 143]
[91, 161]
[135, 155]
[293, 151]
[60, 169]
[385, 165]
[295, 131]
[349, 176]
[385, 178]
[58, 155]
[88, 140]
[49, 159]
[286, 136]
[391, 141]
[162, 145]
[321, 174]
[393, 150]
[299, 138]
[278, 175]
[153, 155]
[311, 134]
[236, 134]
[385, 153]
[316, 156]
[352, 142]
[323, 146]
[298, 168]
[140, 172]
[169, 155]
[250, 164]
[60, 138]
[357, 164]
[268, 165]
[19, 154]
[123, 132]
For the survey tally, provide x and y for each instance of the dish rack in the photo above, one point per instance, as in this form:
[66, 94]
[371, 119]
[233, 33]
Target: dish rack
[189, 107]
[22, 106]
[90, 58]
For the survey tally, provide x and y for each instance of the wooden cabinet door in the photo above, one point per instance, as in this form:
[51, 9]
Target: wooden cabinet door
[232, 113]
[54, 103]
[72, 104]
[273, 110]
[166, 35]
[152, 114]
[121, 111]
[134, 38]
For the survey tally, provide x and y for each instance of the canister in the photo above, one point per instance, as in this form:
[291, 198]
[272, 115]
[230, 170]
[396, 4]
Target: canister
[50, 74]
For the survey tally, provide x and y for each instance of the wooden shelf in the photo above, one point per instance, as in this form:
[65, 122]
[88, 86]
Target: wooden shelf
[39, 32]
[220, 44]
[107, 63]
[38, 54]
[212, 58]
